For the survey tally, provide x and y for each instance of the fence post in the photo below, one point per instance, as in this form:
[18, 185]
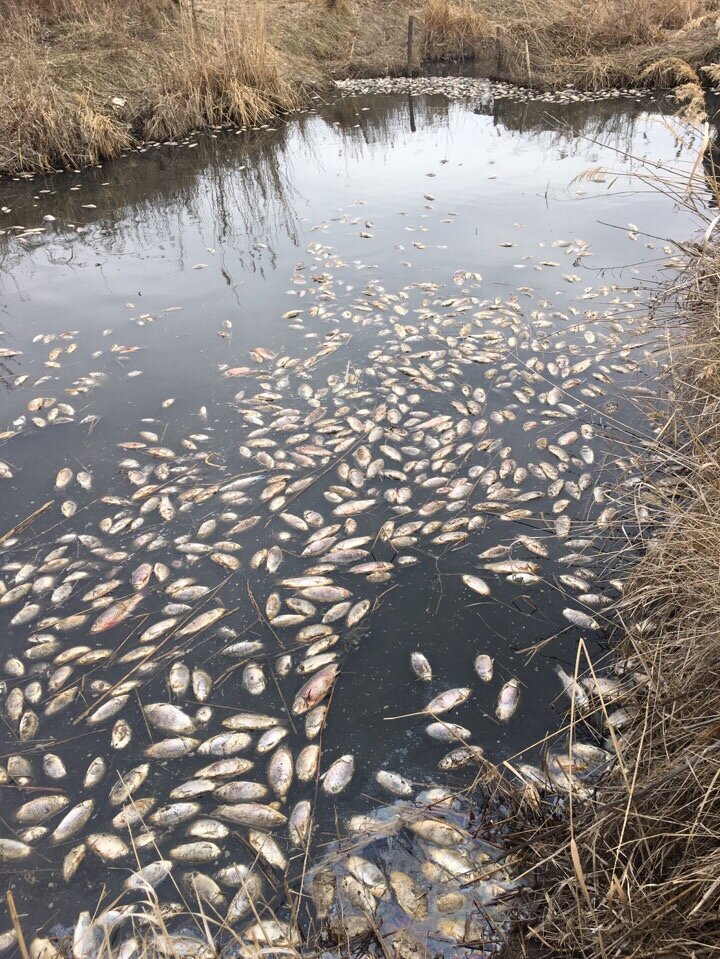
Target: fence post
[410, 39]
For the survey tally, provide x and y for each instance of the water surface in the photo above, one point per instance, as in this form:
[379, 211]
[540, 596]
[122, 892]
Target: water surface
[440, 258]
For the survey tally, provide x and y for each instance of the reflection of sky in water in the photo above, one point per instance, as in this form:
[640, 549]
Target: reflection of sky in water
[246, 208]
[222, 231]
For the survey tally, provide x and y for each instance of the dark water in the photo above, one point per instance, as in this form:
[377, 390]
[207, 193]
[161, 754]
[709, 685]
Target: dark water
[167, 267]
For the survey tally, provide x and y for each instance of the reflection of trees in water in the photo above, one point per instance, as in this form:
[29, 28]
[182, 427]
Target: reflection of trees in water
[570, 127]
[231, 188]
[381, 119]
[617, 124]
[239, 193]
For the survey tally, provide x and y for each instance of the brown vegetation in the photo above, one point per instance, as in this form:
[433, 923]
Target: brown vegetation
[590, 43]
[81, 80]
[636, 871]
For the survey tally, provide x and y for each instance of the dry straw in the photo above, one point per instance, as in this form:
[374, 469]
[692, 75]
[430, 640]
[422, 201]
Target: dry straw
[636, 871]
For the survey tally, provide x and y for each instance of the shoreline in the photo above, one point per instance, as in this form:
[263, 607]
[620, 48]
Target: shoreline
[82, 83]
[634, 871]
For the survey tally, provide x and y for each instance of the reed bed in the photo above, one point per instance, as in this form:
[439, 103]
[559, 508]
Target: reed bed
[636, 871]
[591, 43]
[81, 81]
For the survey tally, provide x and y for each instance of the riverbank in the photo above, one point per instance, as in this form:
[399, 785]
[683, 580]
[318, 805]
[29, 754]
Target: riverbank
[635, 871]
[81, 81]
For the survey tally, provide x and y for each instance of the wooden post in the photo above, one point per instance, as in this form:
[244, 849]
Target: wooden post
[527, 64]
[410, 38]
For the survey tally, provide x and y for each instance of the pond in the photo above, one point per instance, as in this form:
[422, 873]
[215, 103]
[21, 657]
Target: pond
[301, 401]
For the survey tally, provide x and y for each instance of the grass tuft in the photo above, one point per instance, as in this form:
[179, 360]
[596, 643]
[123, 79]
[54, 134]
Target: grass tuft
[229, 77]
[452, 30]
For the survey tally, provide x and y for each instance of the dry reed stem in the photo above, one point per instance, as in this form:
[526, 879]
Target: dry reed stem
[635, 872]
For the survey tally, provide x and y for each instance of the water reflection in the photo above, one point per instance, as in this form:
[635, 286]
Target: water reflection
[242, 190]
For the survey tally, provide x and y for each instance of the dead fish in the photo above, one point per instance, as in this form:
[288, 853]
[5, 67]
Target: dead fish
[314, 721]
[254, 679]
[446, 732]
[484, 667]
[53, 766]
[357, 613]
[169, 718]
[225, 744]
[174, 813]
[252, 814]
[223, 768]
[358, 895]
[203, 621]
[121, 735]
[38, 810]
[11, 849]
[368, 874]
[250, 721]
[421, 667]
[450, 699]
[150, 876]
[108, 847]
[95, 772]
[338, 775]
[300, 823]
[244, 900]
[133, 814]
[116, 613]
[128, 783]
[72, 861]
[394, 783]
[239, 791]
[206, 890]
[141, 576]
[307, 761]
[508, 700]
[172, 748]
[73, 821]
[411, 897]
[193, 788]
[572, 689]
[315, 689]
[436, 831]
[268, 849]
[270, 935]
[63, 478]
[325, 594]
[578, 618]
[462, 756]
[476, 584]
[200, 851]
[108, 710]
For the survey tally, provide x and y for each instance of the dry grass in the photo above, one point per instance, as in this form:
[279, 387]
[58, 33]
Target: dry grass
[452, 30]
[636, 872]
[81, 80]
[591, 43]
[210, 79]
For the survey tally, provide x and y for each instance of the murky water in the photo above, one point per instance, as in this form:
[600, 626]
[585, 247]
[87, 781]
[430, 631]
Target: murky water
[397, 263]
